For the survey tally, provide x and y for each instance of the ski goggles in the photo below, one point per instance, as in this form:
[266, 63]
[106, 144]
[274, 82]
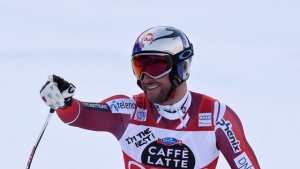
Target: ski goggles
[155, 65]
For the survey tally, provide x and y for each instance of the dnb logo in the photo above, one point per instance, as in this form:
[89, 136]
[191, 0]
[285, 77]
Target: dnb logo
[168, 153]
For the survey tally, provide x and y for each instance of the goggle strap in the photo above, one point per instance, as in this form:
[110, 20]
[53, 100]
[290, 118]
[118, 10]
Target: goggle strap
[183, 55]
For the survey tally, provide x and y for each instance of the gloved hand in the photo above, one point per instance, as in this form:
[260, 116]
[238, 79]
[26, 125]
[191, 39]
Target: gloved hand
[57, 93]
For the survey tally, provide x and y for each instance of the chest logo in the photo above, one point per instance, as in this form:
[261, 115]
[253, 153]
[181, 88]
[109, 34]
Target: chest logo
[168, 152]
[140, 115]
[205, 120]
[169, 141]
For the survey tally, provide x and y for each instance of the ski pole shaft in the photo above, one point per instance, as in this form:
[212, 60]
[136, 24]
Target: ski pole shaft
[39, 138]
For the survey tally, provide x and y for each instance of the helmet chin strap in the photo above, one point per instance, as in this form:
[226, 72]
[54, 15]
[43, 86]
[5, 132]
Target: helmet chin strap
[175, 81]
[171, 93]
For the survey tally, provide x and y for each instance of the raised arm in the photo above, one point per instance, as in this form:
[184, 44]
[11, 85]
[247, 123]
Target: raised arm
[111, 115]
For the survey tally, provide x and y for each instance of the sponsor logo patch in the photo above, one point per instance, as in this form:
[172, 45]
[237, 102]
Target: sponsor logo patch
[140, 115]
[168, 152]
[243, 162]
[96, 106]
[227, 128]
[126, 106]
[169, 141]
[205, 120]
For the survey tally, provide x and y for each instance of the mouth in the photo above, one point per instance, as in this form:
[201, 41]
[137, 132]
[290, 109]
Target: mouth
[151, 87]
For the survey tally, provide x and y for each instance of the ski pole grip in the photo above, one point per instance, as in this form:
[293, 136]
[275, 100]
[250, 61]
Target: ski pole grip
[52, 110]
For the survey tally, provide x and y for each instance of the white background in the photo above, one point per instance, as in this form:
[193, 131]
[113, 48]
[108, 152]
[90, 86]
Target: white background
[247, 55]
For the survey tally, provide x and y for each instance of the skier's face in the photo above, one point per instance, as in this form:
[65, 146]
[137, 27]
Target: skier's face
[156, 90]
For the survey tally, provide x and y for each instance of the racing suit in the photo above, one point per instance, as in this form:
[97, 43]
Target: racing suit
[189, 134]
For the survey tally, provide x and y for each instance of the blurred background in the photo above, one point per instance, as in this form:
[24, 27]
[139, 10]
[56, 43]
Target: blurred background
[247, 55]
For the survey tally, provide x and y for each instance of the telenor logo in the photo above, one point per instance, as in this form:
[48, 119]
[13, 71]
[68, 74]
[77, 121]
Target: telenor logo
[123, 105]
[114, 105]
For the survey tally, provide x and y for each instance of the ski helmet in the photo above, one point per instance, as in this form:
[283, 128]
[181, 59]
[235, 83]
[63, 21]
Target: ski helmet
[169, 42]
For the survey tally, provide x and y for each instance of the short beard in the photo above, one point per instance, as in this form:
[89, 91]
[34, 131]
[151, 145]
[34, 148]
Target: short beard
[162, 96]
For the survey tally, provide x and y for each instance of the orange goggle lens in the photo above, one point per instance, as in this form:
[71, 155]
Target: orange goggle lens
[153, 65]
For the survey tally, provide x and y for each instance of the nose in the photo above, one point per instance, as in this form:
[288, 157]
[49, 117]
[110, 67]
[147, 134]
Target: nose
[146, 78]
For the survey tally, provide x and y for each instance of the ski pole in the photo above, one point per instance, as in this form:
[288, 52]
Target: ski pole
[39, 138]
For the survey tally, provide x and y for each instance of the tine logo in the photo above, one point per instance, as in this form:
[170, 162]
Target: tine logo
[169, 141]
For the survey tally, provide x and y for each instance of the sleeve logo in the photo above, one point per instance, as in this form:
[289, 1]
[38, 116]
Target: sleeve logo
[227, 128]
[243, 161]
[126, 106]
